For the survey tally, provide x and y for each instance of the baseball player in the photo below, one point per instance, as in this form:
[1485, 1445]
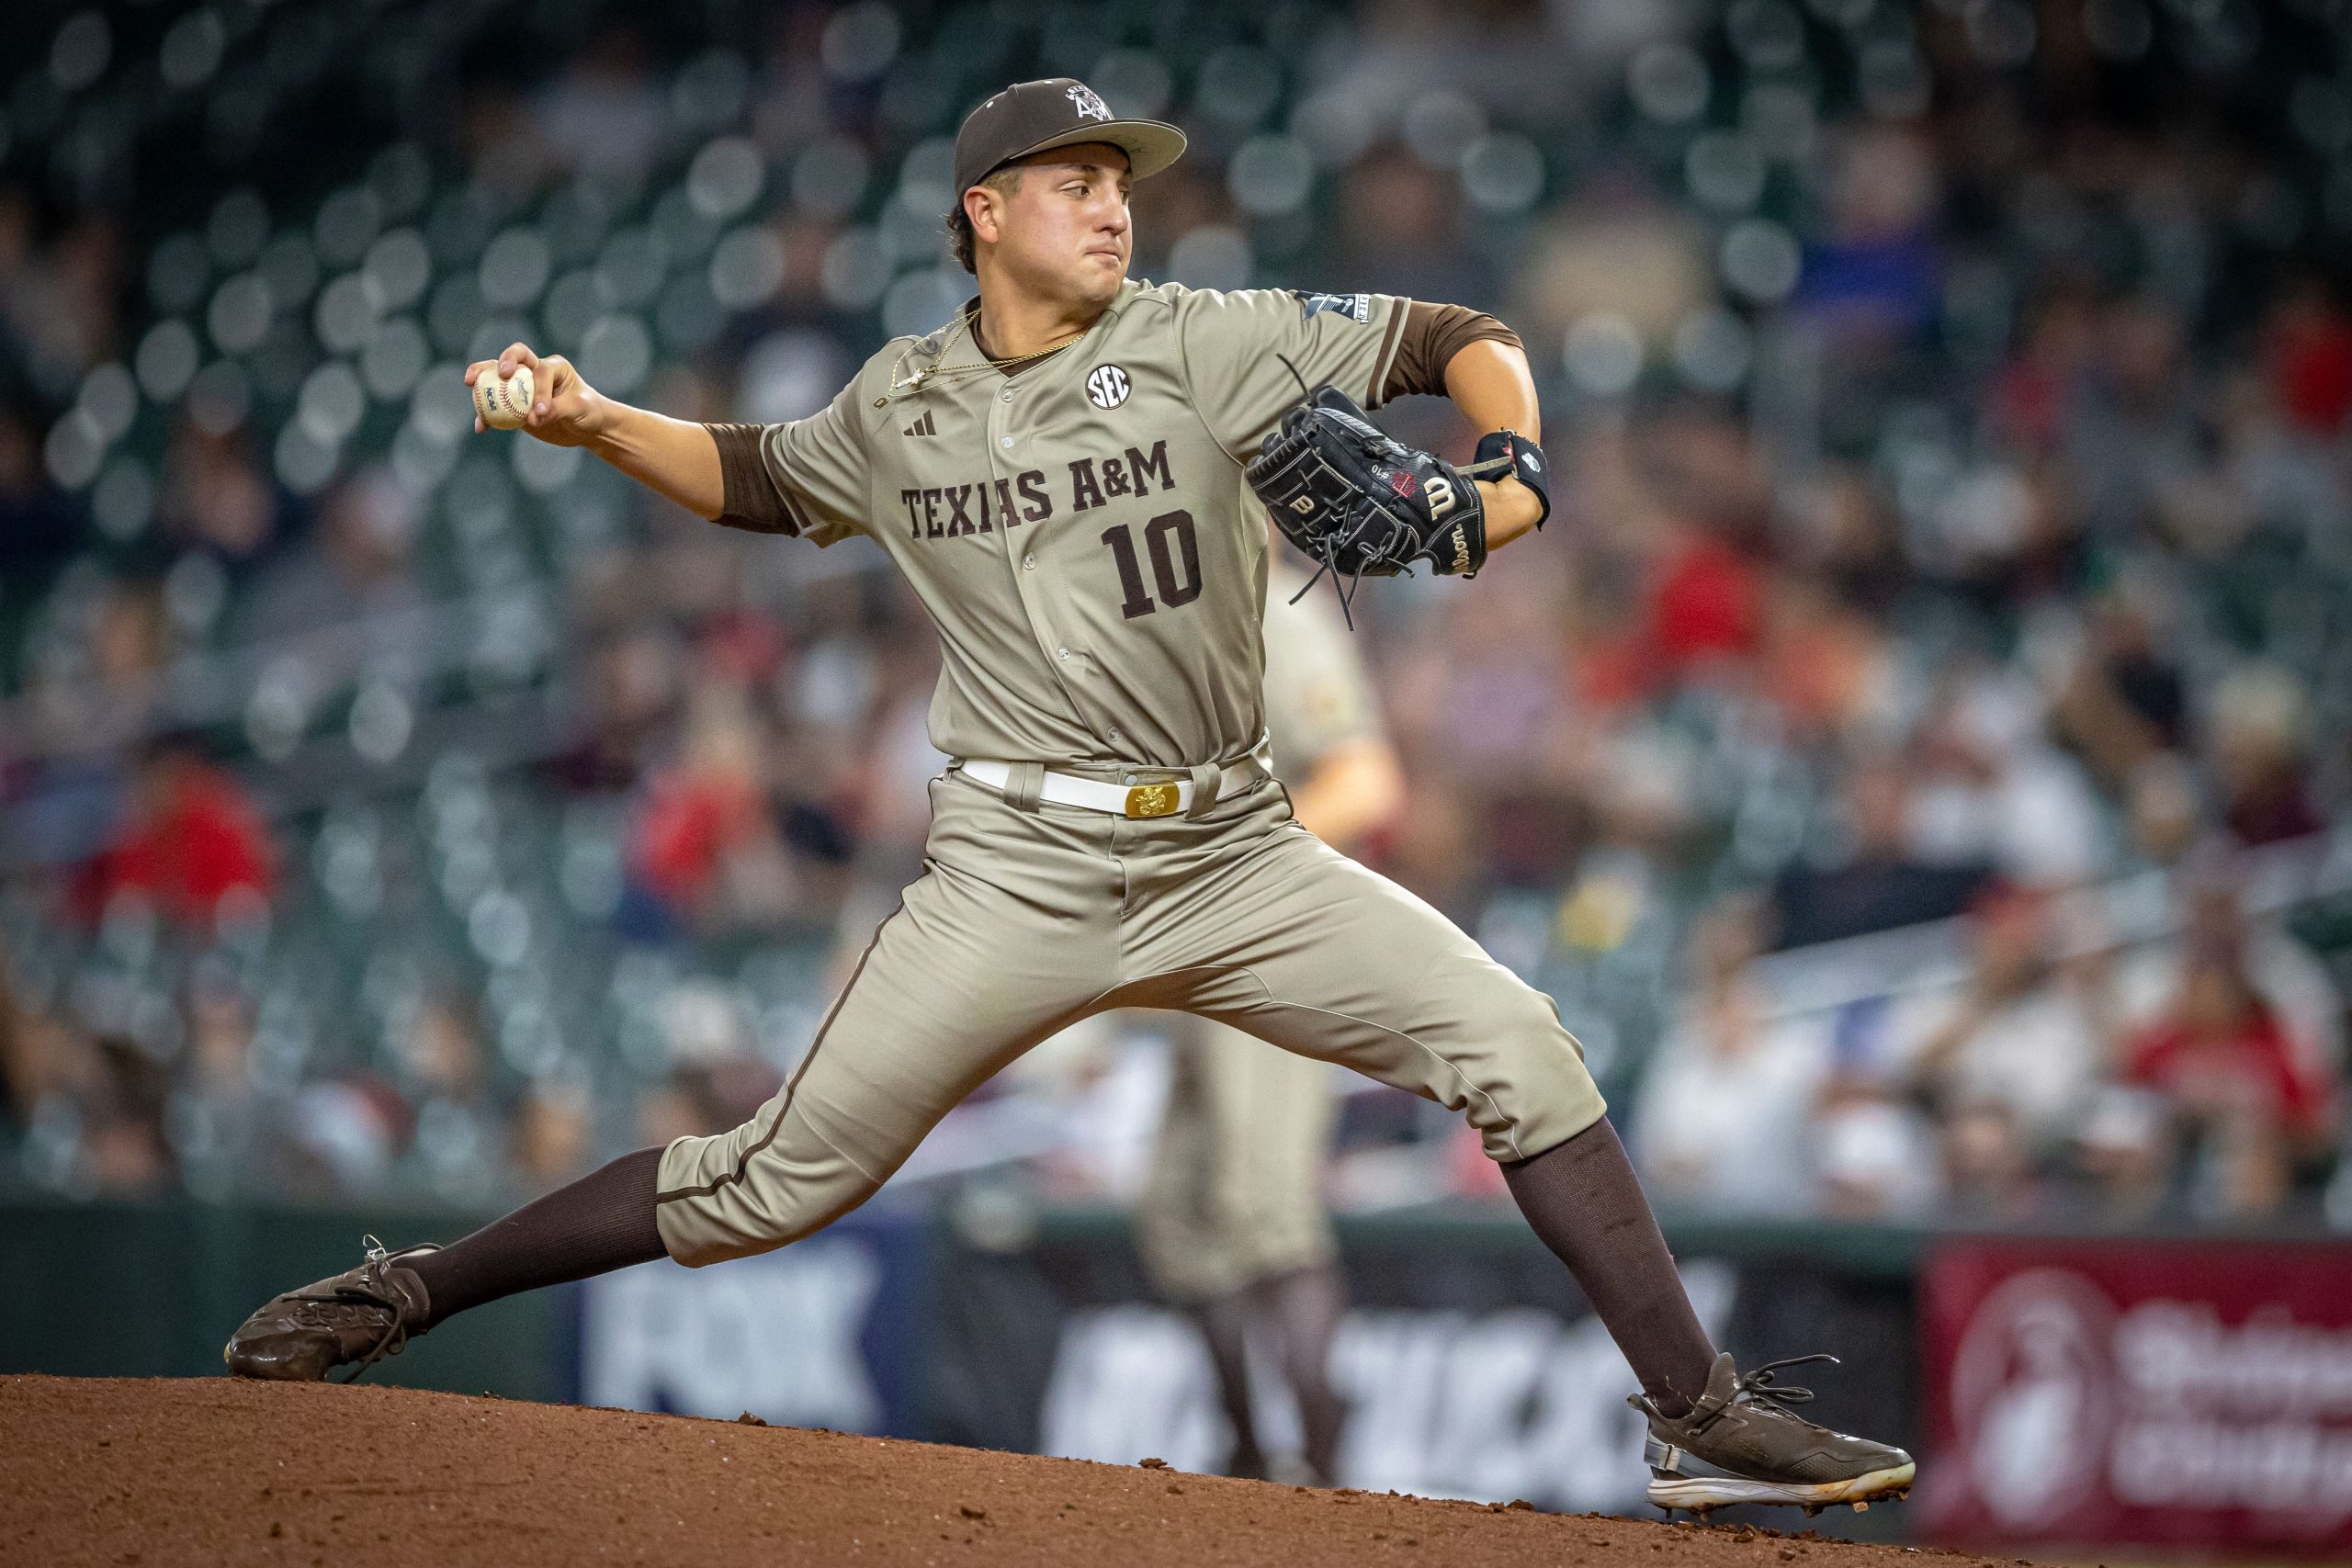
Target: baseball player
[1062, 472]
[1232, 1223]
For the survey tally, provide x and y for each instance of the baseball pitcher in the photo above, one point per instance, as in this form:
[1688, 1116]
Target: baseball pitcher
[1063, 473]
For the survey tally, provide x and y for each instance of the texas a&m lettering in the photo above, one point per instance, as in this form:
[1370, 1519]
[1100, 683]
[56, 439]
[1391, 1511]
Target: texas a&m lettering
[986, 505]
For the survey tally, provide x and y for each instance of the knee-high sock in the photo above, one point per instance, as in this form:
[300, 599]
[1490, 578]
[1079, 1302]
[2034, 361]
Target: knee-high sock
[1582, 1199]
[600, 1223]
[1225, 1323]
[1306, 1306]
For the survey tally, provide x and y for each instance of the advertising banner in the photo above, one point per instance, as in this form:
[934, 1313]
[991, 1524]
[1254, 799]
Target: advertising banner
[828, 1333]
[1470, 1365]
[1520, 1403]
[2159, 1394]
[1470, 1369]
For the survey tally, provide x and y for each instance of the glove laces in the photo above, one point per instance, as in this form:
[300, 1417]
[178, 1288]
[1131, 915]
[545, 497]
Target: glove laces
[1330, 565]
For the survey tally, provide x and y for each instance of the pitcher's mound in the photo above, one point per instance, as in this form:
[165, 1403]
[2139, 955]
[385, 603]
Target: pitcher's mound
[216, 1470]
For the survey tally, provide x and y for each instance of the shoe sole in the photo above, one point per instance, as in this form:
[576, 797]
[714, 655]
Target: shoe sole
[1701, 1494]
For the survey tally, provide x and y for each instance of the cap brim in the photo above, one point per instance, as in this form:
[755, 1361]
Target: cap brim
[1151, 144]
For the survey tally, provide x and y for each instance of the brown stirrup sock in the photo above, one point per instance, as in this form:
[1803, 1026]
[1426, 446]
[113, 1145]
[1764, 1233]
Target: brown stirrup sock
[1582, 1199]
[1307, 1305]
[1225, 1326]
[598, 1224]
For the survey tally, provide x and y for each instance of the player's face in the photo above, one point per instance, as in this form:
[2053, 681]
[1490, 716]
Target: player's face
[1064, 232]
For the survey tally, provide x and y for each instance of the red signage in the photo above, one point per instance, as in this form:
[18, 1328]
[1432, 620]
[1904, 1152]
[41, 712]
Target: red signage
[2158, 1394]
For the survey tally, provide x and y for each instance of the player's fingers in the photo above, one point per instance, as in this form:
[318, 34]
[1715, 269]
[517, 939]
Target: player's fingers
[556, 379]
[517, 354]
[473, 371]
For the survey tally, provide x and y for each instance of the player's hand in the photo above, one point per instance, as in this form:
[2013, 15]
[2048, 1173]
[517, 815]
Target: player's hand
[565, 410]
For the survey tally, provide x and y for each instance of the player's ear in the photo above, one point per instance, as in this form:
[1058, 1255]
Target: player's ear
[983, 206]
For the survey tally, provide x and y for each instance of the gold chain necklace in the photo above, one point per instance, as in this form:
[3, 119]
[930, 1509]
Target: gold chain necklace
[930, 373]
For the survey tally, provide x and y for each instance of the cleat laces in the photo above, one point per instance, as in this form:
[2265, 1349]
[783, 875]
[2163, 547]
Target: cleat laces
[1760, 1388]
[347, 1305]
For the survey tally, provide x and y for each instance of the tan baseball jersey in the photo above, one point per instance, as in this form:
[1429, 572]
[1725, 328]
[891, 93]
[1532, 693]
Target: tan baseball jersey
[1064, 525]
[1081, 532]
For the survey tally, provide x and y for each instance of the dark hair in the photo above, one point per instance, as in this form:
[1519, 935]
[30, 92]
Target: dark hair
[961, 241]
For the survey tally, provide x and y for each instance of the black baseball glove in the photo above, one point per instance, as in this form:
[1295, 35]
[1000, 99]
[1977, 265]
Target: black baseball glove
[1361, 504]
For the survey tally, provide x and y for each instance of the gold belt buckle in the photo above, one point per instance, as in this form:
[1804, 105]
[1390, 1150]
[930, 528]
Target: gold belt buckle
[1153, 800]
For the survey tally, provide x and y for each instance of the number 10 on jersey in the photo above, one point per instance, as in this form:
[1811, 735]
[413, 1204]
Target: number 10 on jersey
[1176, 573]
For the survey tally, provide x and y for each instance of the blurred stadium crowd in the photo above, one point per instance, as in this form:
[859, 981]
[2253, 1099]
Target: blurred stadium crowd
[1955, 542]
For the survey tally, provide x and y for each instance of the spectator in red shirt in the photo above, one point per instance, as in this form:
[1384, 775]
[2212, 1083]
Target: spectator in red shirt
[1707, 604]
[2307, 351]
[704, 851]
[2223, 1056]
[2221, 1051]
[193, 839]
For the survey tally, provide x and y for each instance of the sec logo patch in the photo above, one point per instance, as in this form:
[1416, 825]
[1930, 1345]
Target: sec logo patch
[1107, 386]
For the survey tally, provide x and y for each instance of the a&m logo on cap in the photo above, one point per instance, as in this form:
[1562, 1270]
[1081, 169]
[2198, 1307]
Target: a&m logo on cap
[1090, 104]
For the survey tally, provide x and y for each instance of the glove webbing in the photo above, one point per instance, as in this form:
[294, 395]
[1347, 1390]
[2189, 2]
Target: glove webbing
[1330, 541]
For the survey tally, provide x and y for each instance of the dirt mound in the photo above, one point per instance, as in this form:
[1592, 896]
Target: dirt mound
[215, 1470]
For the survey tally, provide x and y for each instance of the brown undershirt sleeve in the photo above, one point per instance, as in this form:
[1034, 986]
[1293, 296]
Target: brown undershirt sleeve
[752, 498]
[1434, 335]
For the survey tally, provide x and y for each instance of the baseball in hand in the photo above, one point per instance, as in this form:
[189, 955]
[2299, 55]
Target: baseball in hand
[502, 400]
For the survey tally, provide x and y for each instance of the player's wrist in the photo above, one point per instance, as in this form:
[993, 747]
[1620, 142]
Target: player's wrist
[1507, 454]
[603, 426]
[1511, 508]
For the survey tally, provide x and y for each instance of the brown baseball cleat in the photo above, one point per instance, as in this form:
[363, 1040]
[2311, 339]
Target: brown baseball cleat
[1740, 1443]
[362, 1314]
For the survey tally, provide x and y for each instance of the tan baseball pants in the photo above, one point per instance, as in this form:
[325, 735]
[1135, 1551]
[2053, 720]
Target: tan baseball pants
[1026, 920]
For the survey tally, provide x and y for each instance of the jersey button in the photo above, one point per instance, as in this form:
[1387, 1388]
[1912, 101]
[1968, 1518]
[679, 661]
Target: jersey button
[1004, 441]
[1008, 394]
[1061, 653]
[1028, 563]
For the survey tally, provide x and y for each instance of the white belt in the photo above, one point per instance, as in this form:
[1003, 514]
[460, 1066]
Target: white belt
[1162, 797]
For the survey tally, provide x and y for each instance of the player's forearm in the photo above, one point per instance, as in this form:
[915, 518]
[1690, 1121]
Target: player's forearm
[1490, 383]
[676, 458]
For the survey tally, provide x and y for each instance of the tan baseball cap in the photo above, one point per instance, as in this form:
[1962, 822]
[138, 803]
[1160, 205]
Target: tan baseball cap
[1059, 111]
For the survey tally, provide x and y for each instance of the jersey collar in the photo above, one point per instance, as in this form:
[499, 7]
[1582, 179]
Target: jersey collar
[966, 350]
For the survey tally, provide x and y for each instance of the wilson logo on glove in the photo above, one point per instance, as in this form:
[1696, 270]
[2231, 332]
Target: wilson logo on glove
[1361, 504]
